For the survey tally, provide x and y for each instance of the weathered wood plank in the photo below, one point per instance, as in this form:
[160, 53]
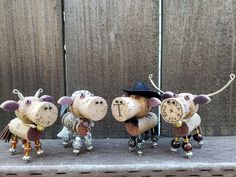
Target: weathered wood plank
[199, 55]
[31, 51]
[110, 45]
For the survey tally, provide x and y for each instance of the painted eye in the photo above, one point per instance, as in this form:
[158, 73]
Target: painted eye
[186, 97]
[28, 102]
[82, 95]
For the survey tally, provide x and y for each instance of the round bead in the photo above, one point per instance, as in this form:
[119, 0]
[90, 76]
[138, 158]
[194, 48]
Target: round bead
[139, 140]
[175, 144]
[131, 143]
[187, 147]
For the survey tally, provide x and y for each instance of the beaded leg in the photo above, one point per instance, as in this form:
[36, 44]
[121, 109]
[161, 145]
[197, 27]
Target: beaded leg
[38, 147]
[198, 137]
[140, 146]
[27, 150]
[175, 143]
[146, 136]
[65, 142]
[14, 142]
[77, 144]
[187, 147]
[23, 143]
[88, 141]
[132, 143]
[154, 138]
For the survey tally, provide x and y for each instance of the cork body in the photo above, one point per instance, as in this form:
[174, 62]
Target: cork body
[187, 126]
[143, 124]
[24, 131]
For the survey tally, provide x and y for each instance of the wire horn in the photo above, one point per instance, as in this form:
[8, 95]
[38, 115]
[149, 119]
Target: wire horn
[38, 93]
[232, 77]
[154, 85]
[17, 92]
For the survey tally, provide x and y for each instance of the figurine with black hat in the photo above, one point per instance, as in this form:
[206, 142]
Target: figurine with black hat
[133, 109]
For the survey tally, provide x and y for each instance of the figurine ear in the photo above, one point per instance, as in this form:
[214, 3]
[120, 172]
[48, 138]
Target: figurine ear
[65, 100]
[202, 99]
[125, 95]
[153, 102]
[9, 105]
[167, 95]
[47, 98]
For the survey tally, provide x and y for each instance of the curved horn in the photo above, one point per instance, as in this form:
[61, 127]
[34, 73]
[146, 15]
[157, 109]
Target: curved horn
[154, 85]
[38, 93]
[17, 92]
[232, 77]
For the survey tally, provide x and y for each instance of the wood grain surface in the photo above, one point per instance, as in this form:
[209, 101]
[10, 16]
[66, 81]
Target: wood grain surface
[31, 51]
[198, 56]
[110, 45]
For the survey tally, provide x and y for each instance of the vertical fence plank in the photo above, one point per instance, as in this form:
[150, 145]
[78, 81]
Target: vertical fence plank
[31, 51]
[110, 45]
[199, 55]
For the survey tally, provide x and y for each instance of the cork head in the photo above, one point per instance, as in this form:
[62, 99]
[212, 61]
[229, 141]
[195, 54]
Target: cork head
[181, 107]
[32, 109]
[84, 104]
[90, 107]
[126, 107]
[35, 110]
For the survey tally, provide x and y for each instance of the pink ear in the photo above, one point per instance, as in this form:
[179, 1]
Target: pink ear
[9, 105]
[65, 100]
[202, 99]
[153, 102]
[167, 95]
[47, 98]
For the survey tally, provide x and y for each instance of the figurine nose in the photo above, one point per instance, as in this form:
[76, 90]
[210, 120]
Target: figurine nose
[118, 101]
[47, 107]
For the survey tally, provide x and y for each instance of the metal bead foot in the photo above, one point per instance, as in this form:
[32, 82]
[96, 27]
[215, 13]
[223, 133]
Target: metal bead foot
[174, 149]
[132, 144]
[131, 149]
[90, 148]
[154, 145]
[12, 151]
[26, 159]
[76, 151]
[139, 146]
[199, 144]
[65, 144]
[189, 154]
[40, 152]
[140, 153]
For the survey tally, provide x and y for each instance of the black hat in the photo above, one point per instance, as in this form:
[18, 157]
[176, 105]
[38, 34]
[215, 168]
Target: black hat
[142, 90]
